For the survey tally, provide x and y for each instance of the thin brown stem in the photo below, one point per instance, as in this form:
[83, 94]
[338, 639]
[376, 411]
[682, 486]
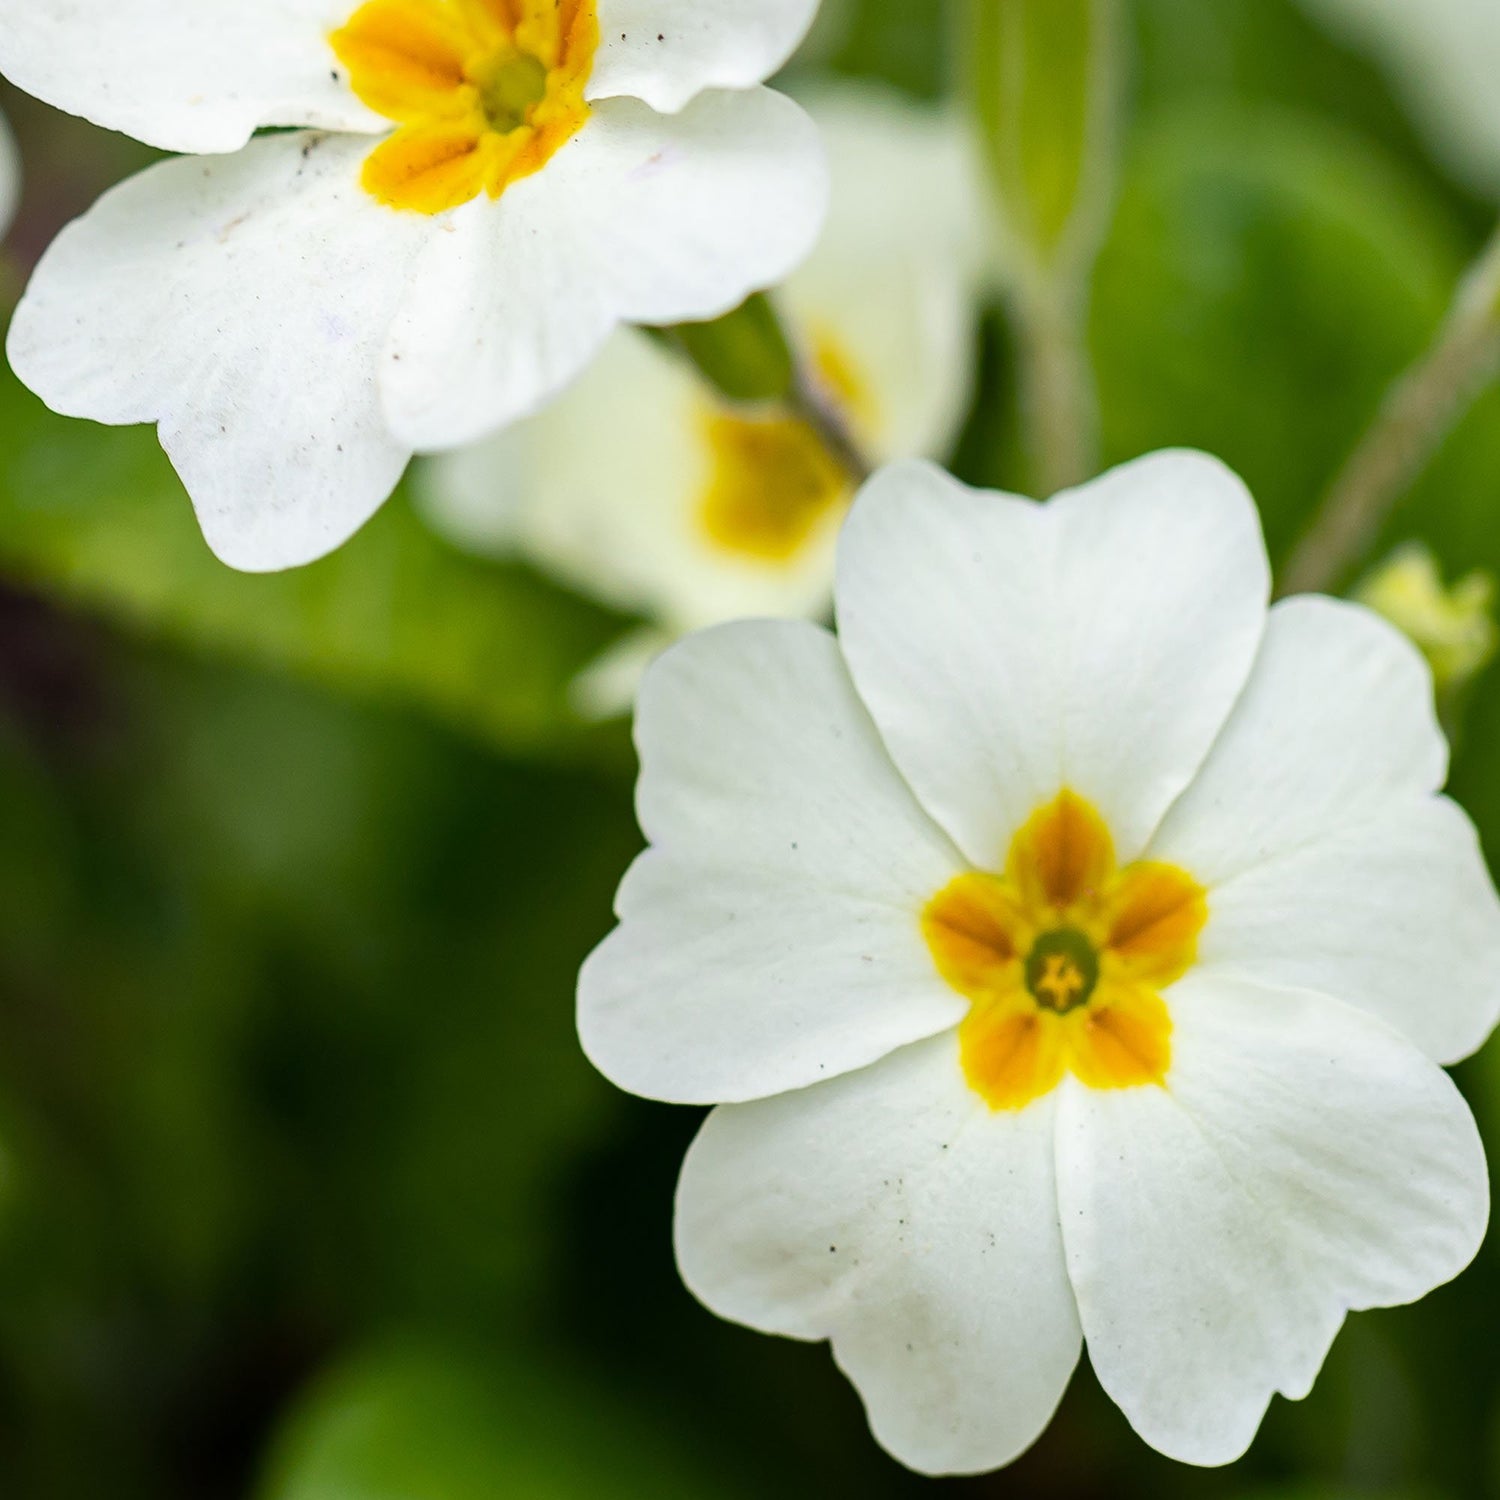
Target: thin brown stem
[1421, 409]
[808, 401]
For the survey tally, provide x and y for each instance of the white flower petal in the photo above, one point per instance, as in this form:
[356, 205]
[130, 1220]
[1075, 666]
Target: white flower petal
[617, 516]
[1330, 864]
[10, 176]
[641, 218]
[893, 1213]
[1302, 1160]
[1336, 721]
[667, 52]
[241, 302]
[895, 282]
[771, 937]
[608, 686]
[1008, 650]
[892, 287]
[184, 75]
[1396, 915]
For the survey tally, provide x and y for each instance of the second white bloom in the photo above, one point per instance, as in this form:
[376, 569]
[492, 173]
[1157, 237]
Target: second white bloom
[642, 488]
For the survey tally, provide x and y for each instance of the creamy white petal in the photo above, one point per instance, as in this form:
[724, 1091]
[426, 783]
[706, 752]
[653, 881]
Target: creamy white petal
[607, 687]
[1330, 864]
[641, 218]
[1302, 1160]
[892, 289]
[667, 52]
[1007, 650]
[1396, 914]
[771, 936]
[893, 1213]
[895, 284]
[1336, 721]
[184, 75]
[10, 176]
[241, 302]
[604, 489]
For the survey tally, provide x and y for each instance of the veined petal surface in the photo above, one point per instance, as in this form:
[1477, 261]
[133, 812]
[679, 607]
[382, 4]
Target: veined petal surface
[184, 75]
[240, 302]
[893, 1213]
[1331, 864]
[1302, 1160]
[1008, 650]
[667, 52]
[771, 937]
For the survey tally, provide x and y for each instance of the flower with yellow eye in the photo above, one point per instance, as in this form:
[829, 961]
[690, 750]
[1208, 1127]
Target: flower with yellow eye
[471, 197]
[1070, 947]
[689, 510]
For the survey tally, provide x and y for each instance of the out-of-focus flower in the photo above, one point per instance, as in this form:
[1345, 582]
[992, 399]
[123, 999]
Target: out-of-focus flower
[1445, 56]
[1454, 628]
[10, 176]
[642, 488]
[481, 192]
[1071, 946]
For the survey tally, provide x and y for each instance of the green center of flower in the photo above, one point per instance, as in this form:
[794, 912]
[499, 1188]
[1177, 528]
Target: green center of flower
[1062, 970]
[510, 88]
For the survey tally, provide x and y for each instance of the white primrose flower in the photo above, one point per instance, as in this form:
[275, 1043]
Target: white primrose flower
[690, 510]
[1071, 947]
[473, 195]
[1445, 56]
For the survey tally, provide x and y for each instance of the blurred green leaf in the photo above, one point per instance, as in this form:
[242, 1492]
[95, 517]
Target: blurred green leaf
[744, 355]
[95, 516]
[1042, 78]
[1268, 276]
[422, 1424]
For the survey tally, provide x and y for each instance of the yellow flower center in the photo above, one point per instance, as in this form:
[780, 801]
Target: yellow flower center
[774, 483]
[484, 91]
[1063, 958]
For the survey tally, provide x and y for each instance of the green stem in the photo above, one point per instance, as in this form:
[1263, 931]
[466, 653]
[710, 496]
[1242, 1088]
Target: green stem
[1058, 397]
[1420, 410]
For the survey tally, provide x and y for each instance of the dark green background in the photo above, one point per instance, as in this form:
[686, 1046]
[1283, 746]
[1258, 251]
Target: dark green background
[305, 1191]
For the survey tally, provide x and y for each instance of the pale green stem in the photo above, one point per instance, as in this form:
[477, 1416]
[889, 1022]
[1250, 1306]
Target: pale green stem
[1421, 409]
[1058, 398]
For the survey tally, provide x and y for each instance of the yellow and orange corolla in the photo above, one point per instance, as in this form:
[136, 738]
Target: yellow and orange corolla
[1063, 958]
[483, 92]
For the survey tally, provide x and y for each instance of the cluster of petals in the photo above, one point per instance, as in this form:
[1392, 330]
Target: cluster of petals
[689, 510]
[464, 200]
[1071, 947]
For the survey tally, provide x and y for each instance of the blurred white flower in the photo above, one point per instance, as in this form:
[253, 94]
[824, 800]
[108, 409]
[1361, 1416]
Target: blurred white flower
[1445, 57]
[10, 176]
[486, 189]
[641, 488]
[1071, 946]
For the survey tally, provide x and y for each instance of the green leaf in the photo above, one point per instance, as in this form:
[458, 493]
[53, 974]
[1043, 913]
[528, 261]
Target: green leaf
[94, 516]
[1268, 276]
[426, 1424]
[1042, 77]
[744, 355]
